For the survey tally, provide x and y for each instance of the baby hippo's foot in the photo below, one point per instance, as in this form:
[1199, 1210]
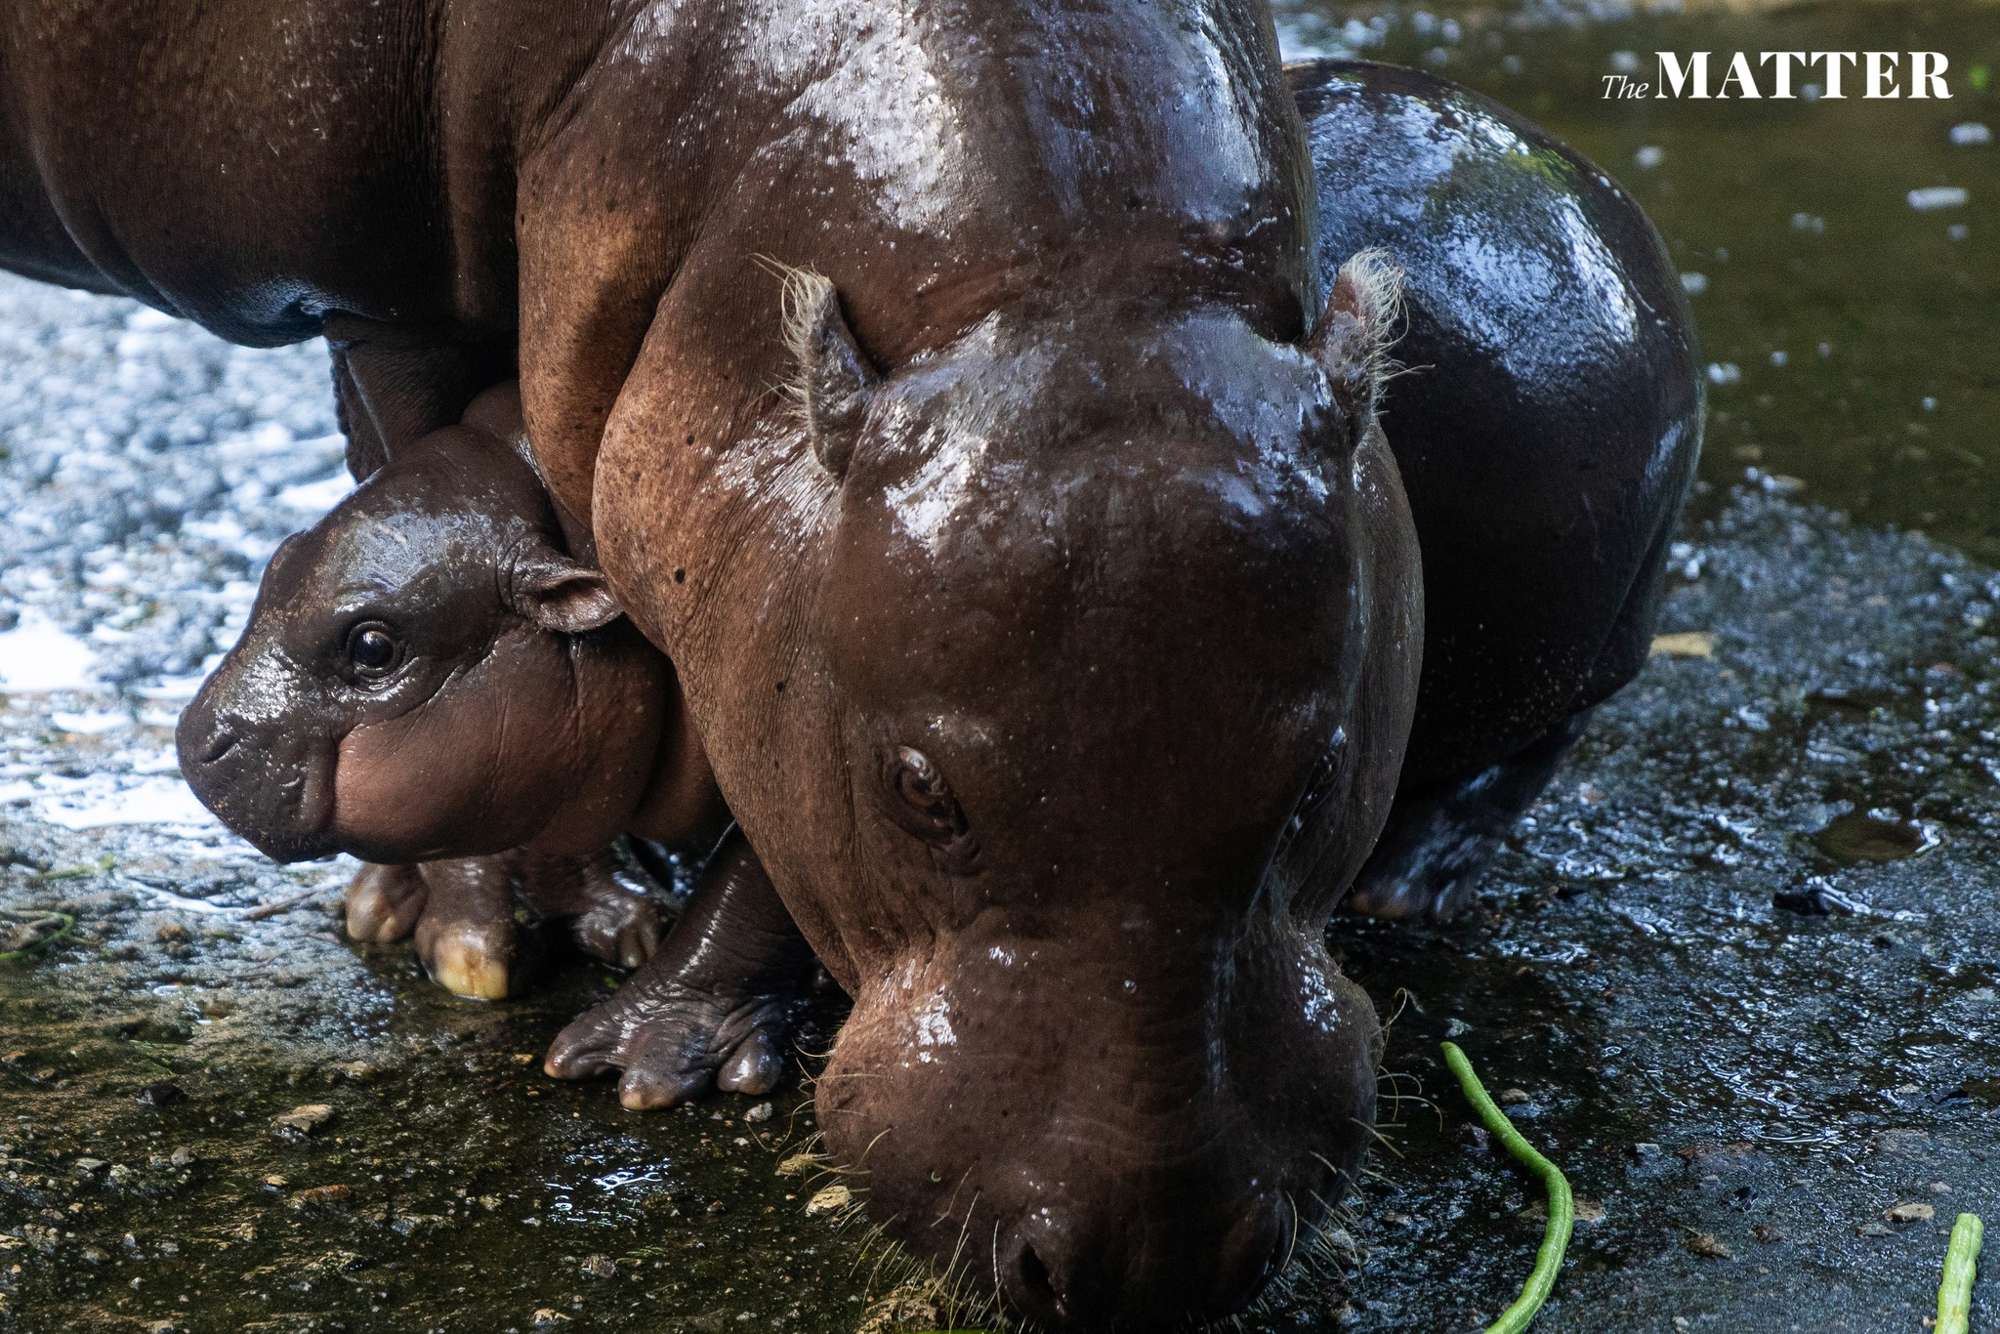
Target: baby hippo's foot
[384, 902]
[461, 913]
[714, 1008]
[607, 898]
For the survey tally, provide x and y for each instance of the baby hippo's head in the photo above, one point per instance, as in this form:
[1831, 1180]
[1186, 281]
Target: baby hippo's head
[426, 674]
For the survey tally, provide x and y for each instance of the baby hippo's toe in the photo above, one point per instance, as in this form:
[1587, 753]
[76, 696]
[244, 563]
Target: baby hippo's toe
[384, 903]
[471, 959]
[675, 1043]
[467, 937]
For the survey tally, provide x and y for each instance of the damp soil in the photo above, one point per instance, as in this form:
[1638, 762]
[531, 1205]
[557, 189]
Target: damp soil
[1739, 974]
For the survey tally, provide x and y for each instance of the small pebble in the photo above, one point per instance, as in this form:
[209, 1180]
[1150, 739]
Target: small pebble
[1708, 1246]
[763, 1111]
[1933, 197]
[162, 1094]
[1910, 1212]
[830, 1200]
[305, 1118]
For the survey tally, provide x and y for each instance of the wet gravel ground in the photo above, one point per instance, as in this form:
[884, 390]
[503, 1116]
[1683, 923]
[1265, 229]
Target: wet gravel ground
[1740, 975]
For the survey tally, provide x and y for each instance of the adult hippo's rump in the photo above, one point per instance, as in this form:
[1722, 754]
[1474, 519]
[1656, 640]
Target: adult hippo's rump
[1038, 579]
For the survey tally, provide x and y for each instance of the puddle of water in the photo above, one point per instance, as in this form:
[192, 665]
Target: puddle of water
[1869, 837]
[38, 656]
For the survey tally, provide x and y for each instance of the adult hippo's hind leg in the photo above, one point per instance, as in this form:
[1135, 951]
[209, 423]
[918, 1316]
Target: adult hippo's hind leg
[715, 1006]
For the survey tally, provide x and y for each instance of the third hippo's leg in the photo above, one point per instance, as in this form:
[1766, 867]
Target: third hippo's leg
[1441, 835]
[714, 1007]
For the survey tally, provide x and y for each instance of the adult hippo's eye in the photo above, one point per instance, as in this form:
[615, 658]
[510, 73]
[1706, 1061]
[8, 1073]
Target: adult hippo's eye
[374, 650]
[922, 802]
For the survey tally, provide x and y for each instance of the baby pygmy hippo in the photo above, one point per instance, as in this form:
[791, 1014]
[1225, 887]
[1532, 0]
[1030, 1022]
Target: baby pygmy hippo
[430, 682]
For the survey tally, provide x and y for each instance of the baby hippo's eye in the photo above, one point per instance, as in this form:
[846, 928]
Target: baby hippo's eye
[922, 802]
[374, 650]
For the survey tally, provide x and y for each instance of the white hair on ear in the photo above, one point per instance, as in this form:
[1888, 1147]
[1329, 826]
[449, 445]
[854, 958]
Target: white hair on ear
[804, 296]
[1376, 282]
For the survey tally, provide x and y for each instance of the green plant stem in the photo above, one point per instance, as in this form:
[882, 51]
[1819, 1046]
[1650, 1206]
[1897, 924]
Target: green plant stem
[1562, 1206]
[65, 924]
[1961, 1263]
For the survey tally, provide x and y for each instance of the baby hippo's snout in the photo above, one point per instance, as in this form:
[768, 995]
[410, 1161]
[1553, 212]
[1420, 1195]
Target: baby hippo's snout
[250, 748]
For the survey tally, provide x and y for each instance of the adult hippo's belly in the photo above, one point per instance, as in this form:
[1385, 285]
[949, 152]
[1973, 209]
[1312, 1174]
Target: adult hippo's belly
[1546, 431]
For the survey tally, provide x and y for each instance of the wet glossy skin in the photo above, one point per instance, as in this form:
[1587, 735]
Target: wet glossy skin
[425, 674]
[1057, 659]
[1547, 434]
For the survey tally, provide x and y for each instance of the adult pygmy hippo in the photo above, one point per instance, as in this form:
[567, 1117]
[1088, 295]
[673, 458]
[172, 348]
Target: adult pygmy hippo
[1043, 592]
[427, 677]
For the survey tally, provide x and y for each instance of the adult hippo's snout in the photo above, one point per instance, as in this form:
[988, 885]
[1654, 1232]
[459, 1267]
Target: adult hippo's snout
[1130, 1141]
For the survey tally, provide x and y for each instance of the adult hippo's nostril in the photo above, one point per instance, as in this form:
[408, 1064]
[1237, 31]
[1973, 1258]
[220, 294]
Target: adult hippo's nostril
[1129, 1275]
[1031, 1288]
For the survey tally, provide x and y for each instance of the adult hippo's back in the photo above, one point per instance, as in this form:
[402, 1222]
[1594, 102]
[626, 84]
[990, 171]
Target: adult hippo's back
[955, 394]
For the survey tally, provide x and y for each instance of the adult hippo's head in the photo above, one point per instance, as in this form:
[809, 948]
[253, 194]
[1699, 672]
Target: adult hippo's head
[1060, 677]
[426, 673]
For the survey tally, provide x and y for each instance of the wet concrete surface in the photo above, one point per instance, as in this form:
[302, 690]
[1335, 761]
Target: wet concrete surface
[1740, 975]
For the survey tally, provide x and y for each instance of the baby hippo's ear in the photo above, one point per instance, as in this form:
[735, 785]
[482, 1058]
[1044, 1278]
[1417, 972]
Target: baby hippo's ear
[558, 594]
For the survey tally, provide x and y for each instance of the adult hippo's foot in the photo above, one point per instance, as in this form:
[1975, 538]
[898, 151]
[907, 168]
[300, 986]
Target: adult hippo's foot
[462, 913]
[1441, 835]
[715, 1007]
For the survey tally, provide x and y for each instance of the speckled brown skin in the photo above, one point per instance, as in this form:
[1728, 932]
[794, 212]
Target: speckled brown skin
[1055, 639]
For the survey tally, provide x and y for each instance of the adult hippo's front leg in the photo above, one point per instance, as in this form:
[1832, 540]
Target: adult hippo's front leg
[714, 1008]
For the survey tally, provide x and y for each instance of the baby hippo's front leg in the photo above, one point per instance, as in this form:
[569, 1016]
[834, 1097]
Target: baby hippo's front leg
[462, 913]
[715, 1007]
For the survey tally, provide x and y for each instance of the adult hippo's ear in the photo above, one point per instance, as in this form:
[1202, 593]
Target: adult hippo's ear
[1361, 322]
[558, 594]
[831, 378]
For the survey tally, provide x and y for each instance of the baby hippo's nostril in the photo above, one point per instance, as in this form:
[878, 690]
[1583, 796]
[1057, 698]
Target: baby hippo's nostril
[219, 745]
